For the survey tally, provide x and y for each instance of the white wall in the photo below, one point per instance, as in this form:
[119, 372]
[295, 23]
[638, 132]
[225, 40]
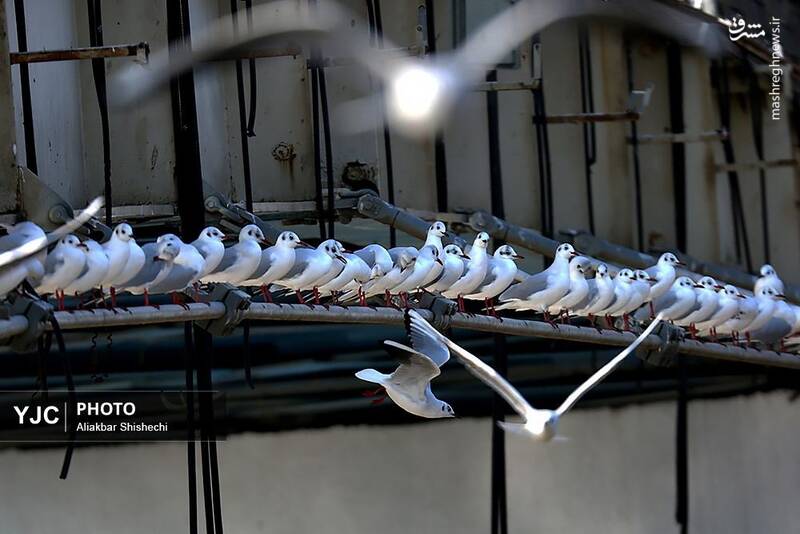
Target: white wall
[616, 474]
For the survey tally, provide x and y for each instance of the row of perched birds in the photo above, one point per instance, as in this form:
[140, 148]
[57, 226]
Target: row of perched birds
[170, 266]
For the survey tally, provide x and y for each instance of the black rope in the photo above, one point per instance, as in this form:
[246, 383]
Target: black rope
[682, 450]
[191, 458]
[99, 75]
[741, 241]
[439, 154]
[587, 105]
[637, 174]
[251, 121]
[71, 396]
[543, 155]
[675, 84]
[318, 200]
[246, 355]
[326, 135]
[43, 345]
[387, 136]
[243, 126]
[756, 99]
[25, 89]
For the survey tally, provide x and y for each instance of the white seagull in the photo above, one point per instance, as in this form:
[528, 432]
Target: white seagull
[20, 236]
[118, 250]
[158, 262]
[409, 386]
[542, 289]
[402, 267]
[728, 306]
[62, 267]
[500, 275]
[706, 304]
[428, 257]
[186, 268]
[600, 296]
[275, 263]
[210, 245]
[676, 302]
[474, 272]
[241, 260]
[578, 287]
[93, 272]
[455, 261]
[768, 278]
[538, 425]
[310, 264]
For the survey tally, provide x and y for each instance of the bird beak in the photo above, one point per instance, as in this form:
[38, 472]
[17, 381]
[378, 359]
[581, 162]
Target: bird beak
[304, 244]
[698, 286]
[574, 254]
[780, 296]
[346, 250]
[740, 296]
[156, 258]
[682, 264]
[439, 262]
[83, 246]
[263, 242]
[518, 257]
[465, 256]
[651, 279]
[341, 258]
[719, 286]
[227, 238]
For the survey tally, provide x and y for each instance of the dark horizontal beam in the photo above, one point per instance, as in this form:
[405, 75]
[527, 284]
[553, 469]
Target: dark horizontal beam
[583, 118]
[75, 54]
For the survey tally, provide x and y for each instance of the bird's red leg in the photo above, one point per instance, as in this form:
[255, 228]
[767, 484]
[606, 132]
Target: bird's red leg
[113, 292]
[652, 310]
[693, 331]
[266, 293]
[300, 299]
[404, 299]
[316, 295]
[362, 299]
[146, 298]
[626, 323]
[461, 306]
[388, 297]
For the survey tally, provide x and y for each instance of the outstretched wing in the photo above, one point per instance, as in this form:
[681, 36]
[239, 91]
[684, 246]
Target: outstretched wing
[606, 369]
[426, 344]
[475, 366]
[415, 371]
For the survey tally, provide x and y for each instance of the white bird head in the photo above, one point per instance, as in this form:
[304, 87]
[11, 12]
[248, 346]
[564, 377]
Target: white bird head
[251, 232]
[431, 253]
[770, 293]
[70, 241]
[642, 276]
[455, 250]
[565, 251]
[123, 232]
[212, 233]
[731, 291]
[331, 247]
[481, 240]
[578, 266]
[438, 229]
[601, 271]
[542, 425]
[93, 246]
[683, 282]
[169, 237]
[626, 275]
[405, 259]
[507, 252]
[446, 409]
[767, 270]
[708, 283]
[668, 258]
[167, 251]
[376, 272]
[288, 240]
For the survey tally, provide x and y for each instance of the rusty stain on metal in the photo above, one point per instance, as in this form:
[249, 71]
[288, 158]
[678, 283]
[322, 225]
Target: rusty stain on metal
[283, 152]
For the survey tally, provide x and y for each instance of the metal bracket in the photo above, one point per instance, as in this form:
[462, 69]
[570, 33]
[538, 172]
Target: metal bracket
[216, 203]
[236, 303]
[664, 356]
[37, 312]
[443, 310]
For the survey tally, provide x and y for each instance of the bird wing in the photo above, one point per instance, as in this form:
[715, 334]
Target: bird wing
[367, 254]
[653, 271]
[394, 253]
[590, 295]
[54, 261]
[266, 261]
[415, 371]
[12, 241]
[228, 259]
[178, 278]
[605, 370]
[532, 284]
[34, 246]
[426, 344]
[148, 272]
[666, 300]
[475, 366]
[302, 257]
[202, 246]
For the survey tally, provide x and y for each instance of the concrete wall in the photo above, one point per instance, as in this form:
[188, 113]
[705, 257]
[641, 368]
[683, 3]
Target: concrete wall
[615, 474]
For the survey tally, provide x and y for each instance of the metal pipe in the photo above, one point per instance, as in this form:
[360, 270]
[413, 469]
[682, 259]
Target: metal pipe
[13, 326]
[138, 315]
[481, 221]
[505, 86]
[72, 54]
[580, 118]
[691, 137]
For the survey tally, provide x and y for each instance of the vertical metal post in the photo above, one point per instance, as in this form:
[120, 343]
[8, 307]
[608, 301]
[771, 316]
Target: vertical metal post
[756, 119]
[8, 139]
[99, 75]
[675, 75]
[439, 155]
[25, 89]
[542, 141]
[243, 129]
[587, 105]
[637, 175]
[682, 450]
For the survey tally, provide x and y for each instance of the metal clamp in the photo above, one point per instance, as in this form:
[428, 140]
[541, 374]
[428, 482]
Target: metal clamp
[665, 355]
[37, 312]
[442, 309]
[236, 303]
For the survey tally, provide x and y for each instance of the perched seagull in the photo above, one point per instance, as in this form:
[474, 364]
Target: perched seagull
[500, 275]
[310, 264]
[132, 266]
[728, 305]
[62, 267]
[780, 325]
[402, 268]
[93, 272]
[241, 260]
[409, 386]
[639, 294]
[376, 255]
[31, 266]
[275, 263]
[187, 267]
[706, 304]
[676, 302]
[159, 260]
[334, 270]
[578, 287]
[210, 245]
[748, 310]
[539, 425]
[455, 261]
[540, 290]
[664, 274]
[600, 296]
[356, 273]
[768, 278]
[474, 272]
[427, 258]
[118, 250]
[436, 232]
[623, 291]
[767, 299]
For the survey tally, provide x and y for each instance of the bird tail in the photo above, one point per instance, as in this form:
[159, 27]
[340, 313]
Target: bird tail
[514, 428]
[371, 375]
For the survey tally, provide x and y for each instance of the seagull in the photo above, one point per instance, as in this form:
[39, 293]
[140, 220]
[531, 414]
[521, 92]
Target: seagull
[275, 263]
[428, 257]
[241, 260]
[664, 274]
[132, 266]
[540, 290]
[600, 295]
[767, 299]
[639, 294]
[768, 278]
[748, 310]
[780, 324]
[210, 245]
[334, 270]
[376, 255]
[455, 261]
[118, 251]
[62, 267]
[310, 264]
[31, 267]
[409, 386]
[434, 236]
[159, 261]
[474, 271]
[401, 269]
[186, 269]
[706, 304]
[578, 287]
[623, 292]
[93, 272]
[500, 275]
[676, 302]
[539, 425]
[355, 274]
[728, 306]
